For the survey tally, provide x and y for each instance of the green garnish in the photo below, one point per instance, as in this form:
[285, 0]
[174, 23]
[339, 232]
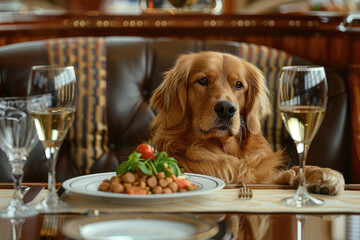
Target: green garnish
[161, 163]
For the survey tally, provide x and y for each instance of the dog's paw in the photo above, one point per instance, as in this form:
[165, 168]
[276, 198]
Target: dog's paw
[322, 180]
[286, 177]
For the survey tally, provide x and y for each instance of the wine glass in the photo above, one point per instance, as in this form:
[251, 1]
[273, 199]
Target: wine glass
[17, 138]
[53, 92]
[302, 99]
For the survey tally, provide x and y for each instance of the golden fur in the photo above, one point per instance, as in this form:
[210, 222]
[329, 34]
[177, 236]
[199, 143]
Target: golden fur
[233, 149]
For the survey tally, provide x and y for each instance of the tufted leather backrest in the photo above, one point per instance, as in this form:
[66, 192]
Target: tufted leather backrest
[134, 68]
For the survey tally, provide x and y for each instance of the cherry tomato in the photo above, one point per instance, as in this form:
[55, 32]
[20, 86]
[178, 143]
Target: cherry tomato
[146, 150]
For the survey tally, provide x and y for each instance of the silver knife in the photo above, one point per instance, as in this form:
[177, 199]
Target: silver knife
[60, 192]
[31, 194]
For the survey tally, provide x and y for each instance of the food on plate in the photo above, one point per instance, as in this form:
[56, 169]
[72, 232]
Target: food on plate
[147, 172]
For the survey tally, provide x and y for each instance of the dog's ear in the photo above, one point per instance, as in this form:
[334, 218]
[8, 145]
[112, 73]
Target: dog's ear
[257, 100]
[171, 95]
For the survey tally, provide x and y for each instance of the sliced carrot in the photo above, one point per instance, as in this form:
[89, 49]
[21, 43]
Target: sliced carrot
[173, 177]
[135, 190]
[181, 182]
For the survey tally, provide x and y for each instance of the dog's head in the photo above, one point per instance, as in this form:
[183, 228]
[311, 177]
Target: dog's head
[219, 94]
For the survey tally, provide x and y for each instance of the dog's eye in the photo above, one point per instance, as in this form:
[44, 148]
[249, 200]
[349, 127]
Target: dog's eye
[239, 85]
[203, 81]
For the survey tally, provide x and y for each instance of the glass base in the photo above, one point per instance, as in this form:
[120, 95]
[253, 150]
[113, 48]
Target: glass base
[53, 204]
[302, 200]
[20, 211]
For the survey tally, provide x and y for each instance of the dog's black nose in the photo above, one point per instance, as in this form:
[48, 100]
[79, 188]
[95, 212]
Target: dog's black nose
[225, 109]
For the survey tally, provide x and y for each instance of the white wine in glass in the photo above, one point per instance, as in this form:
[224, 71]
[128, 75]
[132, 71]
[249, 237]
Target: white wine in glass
[53, 89]
[52, 125]
[302, 99]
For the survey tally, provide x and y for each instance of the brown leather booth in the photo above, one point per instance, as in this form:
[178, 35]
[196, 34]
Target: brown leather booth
[134, 68]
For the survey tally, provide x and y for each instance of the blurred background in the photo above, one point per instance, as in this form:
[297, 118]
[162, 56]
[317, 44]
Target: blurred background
[136, 6]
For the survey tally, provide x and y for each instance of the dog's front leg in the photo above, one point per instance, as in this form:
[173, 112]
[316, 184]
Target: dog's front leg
[231, 169]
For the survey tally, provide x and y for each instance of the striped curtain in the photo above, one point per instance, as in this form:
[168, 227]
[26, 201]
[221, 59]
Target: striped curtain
[270, 61]
[89, 133]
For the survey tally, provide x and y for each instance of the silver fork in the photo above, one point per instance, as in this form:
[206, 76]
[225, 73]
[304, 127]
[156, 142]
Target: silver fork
[244, 192]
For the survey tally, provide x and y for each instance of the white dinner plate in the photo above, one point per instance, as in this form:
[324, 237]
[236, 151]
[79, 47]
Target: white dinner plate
[141, 227]
[88, 185]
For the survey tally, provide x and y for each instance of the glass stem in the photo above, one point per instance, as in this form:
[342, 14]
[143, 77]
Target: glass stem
[17, 165]
[17, 224]
[51, 155]
[300, 219]
[302, 149]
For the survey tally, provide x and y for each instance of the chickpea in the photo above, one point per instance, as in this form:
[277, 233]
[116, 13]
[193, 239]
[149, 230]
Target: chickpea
[129, 177]
[151, 181]
[174, 187]
[118, 188]
[157, 190]
[136, 183]
[104, 186]
[142, 184]
[163, 183]
[160, 175]
[143, 178]
[115, 180]
[113, 183]
[167, 190]
[169, 180]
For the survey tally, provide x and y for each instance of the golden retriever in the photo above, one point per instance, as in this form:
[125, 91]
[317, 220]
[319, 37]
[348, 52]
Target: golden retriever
[210, 108]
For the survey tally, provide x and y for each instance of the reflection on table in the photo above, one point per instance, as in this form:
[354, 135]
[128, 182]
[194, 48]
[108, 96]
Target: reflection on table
[231, 226]
[233, 218]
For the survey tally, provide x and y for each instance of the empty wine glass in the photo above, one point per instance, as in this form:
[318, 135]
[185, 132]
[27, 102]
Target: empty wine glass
[53, 92]
[17, 138]
[302, 99]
